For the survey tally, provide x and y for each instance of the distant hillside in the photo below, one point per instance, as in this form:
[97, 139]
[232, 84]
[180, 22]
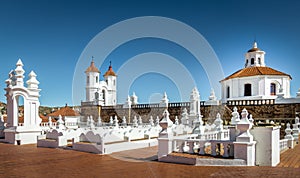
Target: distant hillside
[43, 110]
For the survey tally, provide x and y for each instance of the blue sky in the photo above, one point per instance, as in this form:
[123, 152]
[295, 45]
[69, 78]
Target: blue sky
[49, 37]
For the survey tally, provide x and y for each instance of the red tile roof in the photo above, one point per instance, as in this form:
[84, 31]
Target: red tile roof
[92, 68]
[110, 72]
[65, 111]
[253, 71]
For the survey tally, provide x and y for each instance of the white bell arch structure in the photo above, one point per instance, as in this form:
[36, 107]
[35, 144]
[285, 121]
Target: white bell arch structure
[26, 132]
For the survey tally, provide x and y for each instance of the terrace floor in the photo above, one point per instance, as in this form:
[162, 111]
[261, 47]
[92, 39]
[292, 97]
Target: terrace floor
[30, 161]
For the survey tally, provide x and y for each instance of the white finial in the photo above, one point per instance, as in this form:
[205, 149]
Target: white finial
[151, 121]
[176, 120]
[124, 120]
[32, 82]
[254, 44]
[19, 73]
[218, 122]
[212, 95]
[19, 63]
[135, 121]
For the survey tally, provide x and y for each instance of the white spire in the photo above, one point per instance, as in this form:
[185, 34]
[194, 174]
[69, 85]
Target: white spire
[32, 82]
[19, 73]
[254, 44]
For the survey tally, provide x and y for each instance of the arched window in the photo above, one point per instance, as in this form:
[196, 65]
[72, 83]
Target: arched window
[103, 95]
[252, 61]
[273, 89]
[96, 79]
[259, 61]
[228, 92]
[114, 82]
[88, 79]
[21, 108]
[247, 90]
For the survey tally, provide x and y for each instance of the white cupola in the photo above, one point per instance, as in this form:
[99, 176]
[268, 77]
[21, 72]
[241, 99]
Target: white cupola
[255, 57]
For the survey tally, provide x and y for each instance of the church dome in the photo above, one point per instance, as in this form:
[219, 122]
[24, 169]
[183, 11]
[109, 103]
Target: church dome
[92, 68]
[254, 48]
[109, 72]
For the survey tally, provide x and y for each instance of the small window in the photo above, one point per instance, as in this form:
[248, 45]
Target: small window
[103, 95]
[246, 62]
[252, 61]
[97, 96]
[273, 89]
[114, 82]
[228, 92]
[259, 61]
[96, 79]
[247, 90]
[88, 79]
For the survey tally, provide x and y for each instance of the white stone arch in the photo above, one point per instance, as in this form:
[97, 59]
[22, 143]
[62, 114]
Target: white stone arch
[27, 132]
[16, 104]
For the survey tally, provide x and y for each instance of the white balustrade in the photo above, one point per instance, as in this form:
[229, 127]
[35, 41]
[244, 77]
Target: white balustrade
[196, 146]
[283, 144]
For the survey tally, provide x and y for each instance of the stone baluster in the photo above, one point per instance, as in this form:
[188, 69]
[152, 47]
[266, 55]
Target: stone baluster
[185, 147]
[191, 147]
[225, 145]
[180, 146]
[202, 148]
[213, 149]
[196, 147]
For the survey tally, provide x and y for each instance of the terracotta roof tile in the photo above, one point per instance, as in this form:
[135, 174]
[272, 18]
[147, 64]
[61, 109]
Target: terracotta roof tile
[92, 68]
[110, 72]
[65, 111]
[253, 71]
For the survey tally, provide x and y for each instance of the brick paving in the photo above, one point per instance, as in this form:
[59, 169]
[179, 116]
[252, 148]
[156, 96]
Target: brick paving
[30, 161]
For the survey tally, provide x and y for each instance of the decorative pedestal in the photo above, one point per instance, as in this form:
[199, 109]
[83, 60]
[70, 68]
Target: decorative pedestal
[165, 138]
[244, 147]
[22, 135]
